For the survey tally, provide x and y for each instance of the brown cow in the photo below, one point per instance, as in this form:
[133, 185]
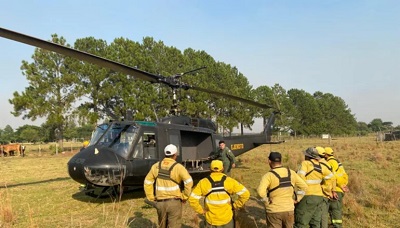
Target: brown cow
[11, 149]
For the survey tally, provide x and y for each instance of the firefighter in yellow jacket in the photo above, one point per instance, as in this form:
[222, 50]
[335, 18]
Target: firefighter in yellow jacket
[167, 176]
[217, 190]
[342, 179]
[277, 191]
[308, 210]
[329, 191]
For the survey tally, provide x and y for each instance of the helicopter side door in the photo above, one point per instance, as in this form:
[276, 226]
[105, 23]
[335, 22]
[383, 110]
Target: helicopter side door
[145, 152]
[194, 147]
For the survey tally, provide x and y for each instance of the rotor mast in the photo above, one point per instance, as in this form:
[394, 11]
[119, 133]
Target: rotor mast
[175, 83]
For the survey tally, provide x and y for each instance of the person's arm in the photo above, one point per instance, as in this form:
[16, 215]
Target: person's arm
[242, 192]
[262, 189]
[329, 179]
[214, 155]
[149, 182]
[342, 179]
[300, 185]
[302, 171]
[194, 199]
[231, 158]
[187, 181]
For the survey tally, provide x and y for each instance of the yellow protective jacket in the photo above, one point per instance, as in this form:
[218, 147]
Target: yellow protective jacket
[218, 205]
[342, 179]
[277, 194]
[327, 189]
[313, 173]
[166, 189]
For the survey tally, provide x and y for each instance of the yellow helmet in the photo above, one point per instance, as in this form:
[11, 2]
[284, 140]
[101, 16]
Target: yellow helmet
[328, 151]
[321, 151]
[85, 143]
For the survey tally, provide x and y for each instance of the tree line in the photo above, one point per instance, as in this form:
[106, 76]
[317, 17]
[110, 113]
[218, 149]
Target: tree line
[73, 96]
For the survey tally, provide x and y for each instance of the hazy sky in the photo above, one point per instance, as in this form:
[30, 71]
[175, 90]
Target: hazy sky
[348, 48]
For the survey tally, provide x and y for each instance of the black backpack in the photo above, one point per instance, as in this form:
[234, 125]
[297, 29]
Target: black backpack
[217, 186]
[165, 174]
[283, 181]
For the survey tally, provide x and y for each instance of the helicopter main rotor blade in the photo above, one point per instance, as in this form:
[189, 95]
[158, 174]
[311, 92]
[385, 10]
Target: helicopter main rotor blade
[118, 67]
[172, 82]
[247, 101]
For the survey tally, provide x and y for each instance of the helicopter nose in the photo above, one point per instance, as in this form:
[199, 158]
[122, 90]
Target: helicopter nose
[97, 165]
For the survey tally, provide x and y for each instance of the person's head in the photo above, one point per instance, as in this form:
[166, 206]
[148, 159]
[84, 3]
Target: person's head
[85, 143]
[221, 144]
[171, 151]
[328, 151]
[274, 159]
[217, 166]
[321, 151]
[311, 153]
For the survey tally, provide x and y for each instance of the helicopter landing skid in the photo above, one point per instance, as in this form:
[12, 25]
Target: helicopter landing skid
[101, 192]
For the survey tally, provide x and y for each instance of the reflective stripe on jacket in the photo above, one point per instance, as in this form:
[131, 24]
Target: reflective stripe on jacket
[327, 189]
[165, 188]
[314, 177]
[218, 205]
[281, 199]
[342, 179]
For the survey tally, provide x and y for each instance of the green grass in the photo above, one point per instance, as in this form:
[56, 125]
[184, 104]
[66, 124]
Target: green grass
[36, 191]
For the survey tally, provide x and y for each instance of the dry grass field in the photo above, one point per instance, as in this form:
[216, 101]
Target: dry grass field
[36, 191]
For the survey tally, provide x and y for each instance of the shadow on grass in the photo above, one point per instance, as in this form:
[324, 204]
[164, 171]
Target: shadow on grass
[139, 221]
[242, 167]
[251, 217]
[36, 182]
[108, 197]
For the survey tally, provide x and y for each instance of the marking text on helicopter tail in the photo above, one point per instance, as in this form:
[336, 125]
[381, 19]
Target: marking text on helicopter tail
[237, 146]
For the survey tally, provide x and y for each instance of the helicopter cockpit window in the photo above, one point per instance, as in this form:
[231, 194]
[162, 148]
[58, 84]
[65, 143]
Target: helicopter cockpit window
[97, 133]
[119, 138]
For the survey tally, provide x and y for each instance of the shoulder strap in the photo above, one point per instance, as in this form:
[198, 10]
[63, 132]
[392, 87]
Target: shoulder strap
[217, 186]
[338, 162]
[330, 168]
[316, 167]
[283, 181]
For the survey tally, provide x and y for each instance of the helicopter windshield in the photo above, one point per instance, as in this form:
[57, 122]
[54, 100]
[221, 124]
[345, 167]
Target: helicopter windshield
[119, 137]
[96, 134]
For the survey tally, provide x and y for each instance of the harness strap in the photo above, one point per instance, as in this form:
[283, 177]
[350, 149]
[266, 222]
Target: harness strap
[316, 167]
[339, 163]
[217, 186]
[283, 181]
[165, 174]
[327, 166]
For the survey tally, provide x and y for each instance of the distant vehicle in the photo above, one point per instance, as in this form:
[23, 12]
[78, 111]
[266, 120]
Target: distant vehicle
[392, 136]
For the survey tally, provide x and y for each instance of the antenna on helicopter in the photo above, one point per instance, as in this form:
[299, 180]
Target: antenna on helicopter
[175, 83]
[129, 115]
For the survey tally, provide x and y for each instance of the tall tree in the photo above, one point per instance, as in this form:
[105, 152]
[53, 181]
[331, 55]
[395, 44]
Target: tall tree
[92, 87]
[307, 115]
[8, 135]
[376, 125]
[52, 88]
[264, 94]
[23, 133]
[337, 117]
[362, 128]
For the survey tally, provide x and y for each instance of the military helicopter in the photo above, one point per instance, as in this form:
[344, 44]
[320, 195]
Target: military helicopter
[121, 153]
